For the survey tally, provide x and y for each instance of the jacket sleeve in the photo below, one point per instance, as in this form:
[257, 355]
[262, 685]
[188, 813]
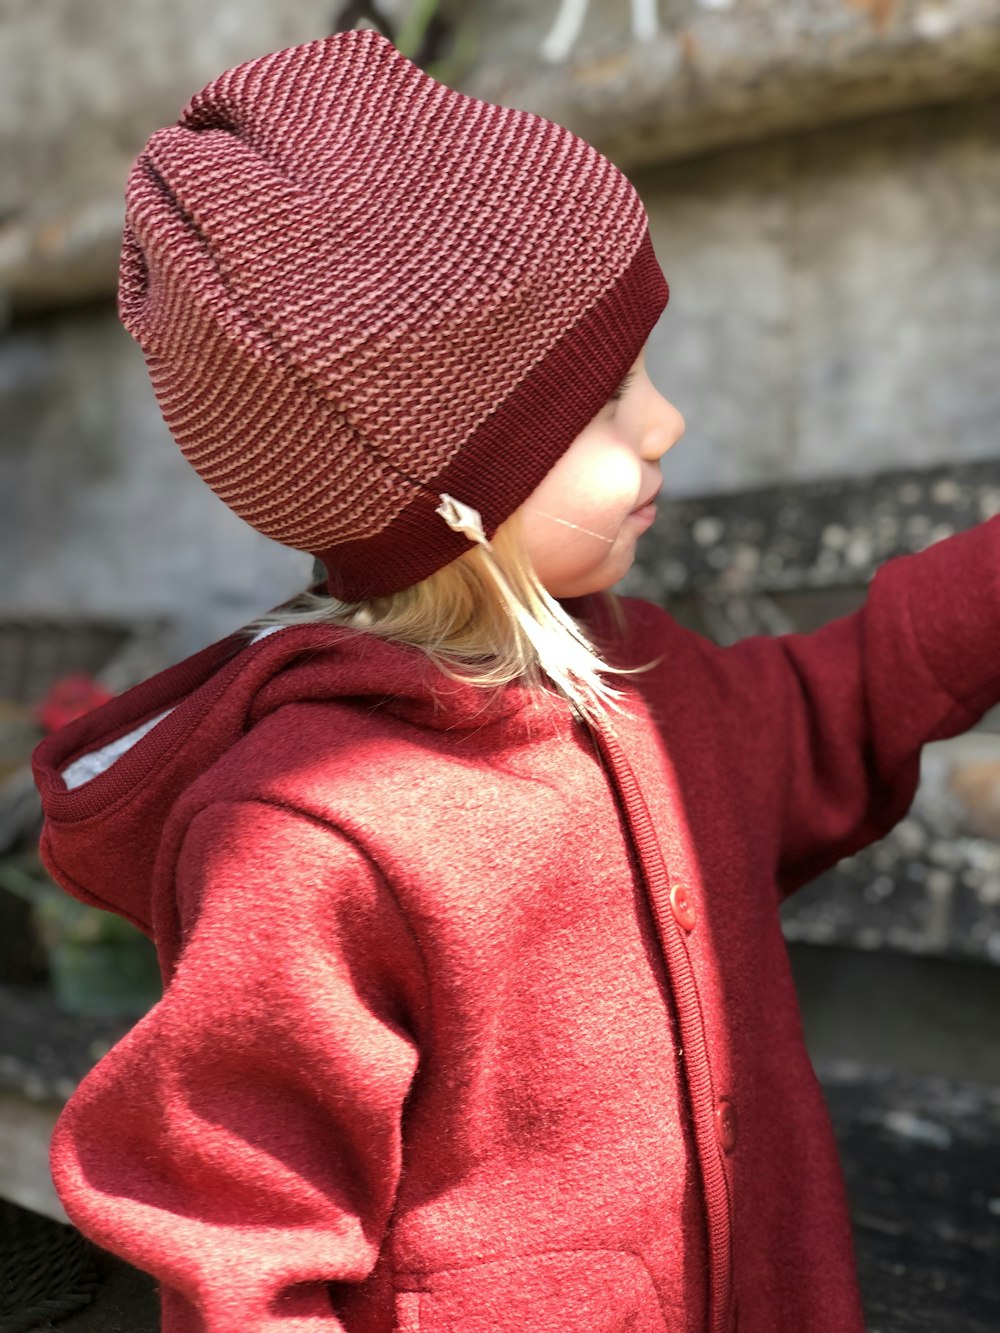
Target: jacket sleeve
[243, 1142]
[826, 728]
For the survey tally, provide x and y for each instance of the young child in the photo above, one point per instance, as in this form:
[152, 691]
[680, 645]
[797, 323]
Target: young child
[464, 876]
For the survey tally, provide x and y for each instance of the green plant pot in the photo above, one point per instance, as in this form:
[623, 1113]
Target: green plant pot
[104, 976]
[97, 962]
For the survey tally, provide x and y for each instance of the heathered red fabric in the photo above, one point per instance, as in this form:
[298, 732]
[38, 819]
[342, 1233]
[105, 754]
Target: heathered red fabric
[357, 289]
[475, 1019]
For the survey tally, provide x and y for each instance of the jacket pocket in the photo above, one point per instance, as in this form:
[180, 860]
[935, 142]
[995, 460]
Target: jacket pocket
[576, 1291]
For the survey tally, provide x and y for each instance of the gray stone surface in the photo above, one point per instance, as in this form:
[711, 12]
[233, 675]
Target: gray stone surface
[833, 301]
[25, 1129]
[717, 72]
[921, 1160]
[920, 1016]
[931, 886]
[99, 511]
[82, 86]
[815, 535]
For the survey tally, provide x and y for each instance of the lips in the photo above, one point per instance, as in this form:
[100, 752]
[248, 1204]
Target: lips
[651, 500]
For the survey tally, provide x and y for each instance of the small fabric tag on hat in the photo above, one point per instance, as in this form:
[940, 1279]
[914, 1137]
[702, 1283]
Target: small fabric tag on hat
[462, 518]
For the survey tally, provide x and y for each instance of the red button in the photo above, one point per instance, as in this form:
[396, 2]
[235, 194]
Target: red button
[725, 1125]
[682, 906]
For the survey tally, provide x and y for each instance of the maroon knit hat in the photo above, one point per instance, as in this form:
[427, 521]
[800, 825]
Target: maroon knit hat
[358, 290]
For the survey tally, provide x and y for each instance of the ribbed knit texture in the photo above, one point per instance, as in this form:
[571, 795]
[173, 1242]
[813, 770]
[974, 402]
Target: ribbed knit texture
[356, 289]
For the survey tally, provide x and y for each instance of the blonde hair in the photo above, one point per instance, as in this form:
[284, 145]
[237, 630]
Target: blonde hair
[484, 619]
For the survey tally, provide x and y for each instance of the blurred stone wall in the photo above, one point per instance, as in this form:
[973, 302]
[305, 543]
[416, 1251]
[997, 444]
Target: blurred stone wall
[99, 510]
[81, 88]
[834, 300]
[834, 290]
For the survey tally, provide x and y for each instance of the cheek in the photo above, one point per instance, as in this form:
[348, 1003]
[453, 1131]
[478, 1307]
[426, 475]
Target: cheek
[572, 561]
[600, 495]
[576, 563]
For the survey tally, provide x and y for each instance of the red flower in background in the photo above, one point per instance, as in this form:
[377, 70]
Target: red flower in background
[69, 698]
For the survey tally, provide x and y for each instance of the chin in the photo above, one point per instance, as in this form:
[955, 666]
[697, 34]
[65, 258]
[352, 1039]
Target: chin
[584, 587]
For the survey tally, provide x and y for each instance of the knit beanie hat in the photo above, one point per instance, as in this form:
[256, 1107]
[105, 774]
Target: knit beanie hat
[358, 291]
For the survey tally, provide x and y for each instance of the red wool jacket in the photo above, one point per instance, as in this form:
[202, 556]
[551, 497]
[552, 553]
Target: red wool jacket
[474, 1018]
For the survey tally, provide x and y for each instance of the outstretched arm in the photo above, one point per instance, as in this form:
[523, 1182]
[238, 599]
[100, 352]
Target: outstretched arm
[817, 737]
[844, 712]
[243, 1142]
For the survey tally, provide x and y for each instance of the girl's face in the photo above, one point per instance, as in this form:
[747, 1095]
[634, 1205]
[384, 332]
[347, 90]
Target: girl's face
[581, 524]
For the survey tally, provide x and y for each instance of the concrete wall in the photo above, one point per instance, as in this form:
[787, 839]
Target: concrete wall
[98, 508]
[834, 300]
[81, 88]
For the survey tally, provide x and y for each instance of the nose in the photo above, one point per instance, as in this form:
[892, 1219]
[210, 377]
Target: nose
[665, 428]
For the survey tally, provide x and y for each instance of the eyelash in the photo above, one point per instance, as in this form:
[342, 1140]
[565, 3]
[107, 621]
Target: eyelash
[622, 389]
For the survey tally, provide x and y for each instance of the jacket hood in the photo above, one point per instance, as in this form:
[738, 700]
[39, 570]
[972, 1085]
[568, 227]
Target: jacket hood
[114, 774]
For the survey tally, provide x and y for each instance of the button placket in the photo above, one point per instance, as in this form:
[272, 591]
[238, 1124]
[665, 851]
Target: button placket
[671, 897]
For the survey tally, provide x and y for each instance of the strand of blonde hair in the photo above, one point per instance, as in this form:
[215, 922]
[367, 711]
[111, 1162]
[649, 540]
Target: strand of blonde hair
[484, 619]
